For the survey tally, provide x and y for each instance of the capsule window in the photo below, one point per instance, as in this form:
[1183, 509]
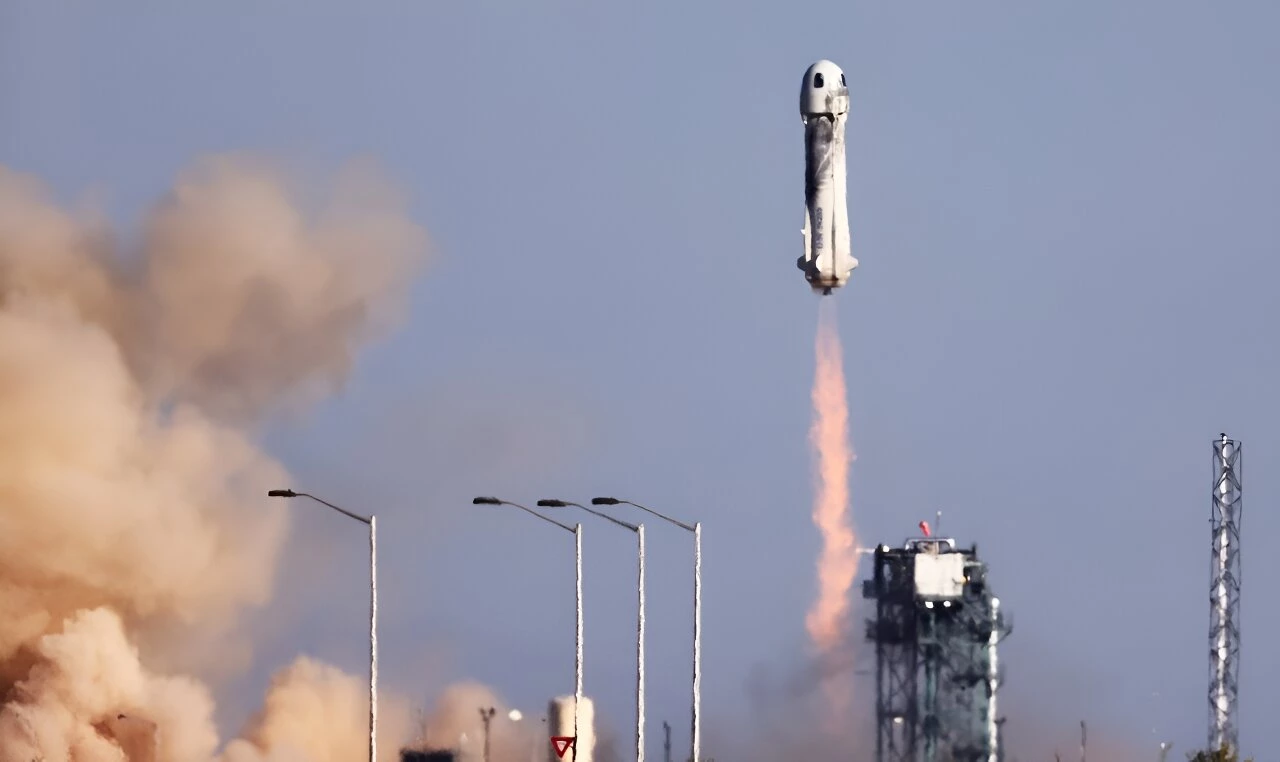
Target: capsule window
[817, 80]
[842, 79]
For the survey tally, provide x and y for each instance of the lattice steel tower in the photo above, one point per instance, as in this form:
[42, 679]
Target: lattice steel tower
[936, 632]
[1224, 602]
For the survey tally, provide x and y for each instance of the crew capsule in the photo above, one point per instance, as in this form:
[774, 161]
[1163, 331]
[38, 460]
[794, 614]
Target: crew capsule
[824, 91]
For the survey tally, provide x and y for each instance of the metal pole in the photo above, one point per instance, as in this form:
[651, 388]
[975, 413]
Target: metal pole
[577, 679]
[486, 715]
[639, 530]
[576, 529]
[640, 650]
[697, 639]
[1082, 741]
[696, 528]
[372, 521]
[373, 639]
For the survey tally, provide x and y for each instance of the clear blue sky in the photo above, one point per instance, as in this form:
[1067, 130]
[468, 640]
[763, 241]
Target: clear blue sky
[1065, 216]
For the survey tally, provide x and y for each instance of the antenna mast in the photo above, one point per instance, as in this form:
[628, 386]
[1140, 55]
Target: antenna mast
[1224, 607]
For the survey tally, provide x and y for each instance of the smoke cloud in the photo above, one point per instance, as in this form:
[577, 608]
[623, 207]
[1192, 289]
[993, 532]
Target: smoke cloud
[828, 619]
[454, 723]
[132, 376]
[312, 714]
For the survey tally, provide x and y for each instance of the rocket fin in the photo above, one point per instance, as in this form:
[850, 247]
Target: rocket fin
[804, 231]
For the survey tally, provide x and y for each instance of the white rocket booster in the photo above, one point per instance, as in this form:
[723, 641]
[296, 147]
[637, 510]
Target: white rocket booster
[824, 107]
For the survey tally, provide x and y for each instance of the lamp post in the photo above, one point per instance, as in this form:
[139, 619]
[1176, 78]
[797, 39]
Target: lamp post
[696, 528]
[372, 522]
[639, 530]
[485, 716]
[576, 529]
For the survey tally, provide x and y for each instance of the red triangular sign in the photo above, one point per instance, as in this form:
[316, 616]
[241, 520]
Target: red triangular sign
[562, 744]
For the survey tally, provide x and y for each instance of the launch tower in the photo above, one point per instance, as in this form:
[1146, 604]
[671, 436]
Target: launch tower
[1224, 606]
[936, 630]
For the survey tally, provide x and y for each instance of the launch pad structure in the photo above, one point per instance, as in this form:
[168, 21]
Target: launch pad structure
[936, 631]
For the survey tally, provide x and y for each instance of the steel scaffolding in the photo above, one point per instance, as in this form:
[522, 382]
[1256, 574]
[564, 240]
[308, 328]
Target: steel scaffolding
[936, 630]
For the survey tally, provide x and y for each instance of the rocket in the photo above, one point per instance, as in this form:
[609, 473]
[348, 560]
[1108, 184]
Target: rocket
[824, 107]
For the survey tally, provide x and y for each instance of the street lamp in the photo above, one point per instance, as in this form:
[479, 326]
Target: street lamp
[639, 530]
[485, 716]
[372, 521]
[696, 528]
[576, 529]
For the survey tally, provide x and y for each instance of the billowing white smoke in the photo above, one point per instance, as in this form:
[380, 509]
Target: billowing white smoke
[455, 723]
[313, 713]
[131, 378]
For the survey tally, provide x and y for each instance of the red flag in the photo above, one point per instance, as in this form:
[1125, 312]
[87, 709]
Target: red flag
[924, 527]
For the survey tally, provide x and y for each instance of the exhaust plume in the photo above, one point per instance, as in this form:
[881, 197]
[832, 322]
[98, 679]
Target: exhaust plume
[131, 379]
[827, 620]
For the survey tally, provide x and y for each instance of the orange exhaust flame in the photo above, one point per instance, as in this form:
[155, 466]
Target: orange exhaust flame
[827, 620]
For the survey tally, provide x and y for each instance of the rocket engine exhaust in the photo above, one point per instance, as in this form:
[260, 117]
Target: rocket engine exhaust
[827, 620]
